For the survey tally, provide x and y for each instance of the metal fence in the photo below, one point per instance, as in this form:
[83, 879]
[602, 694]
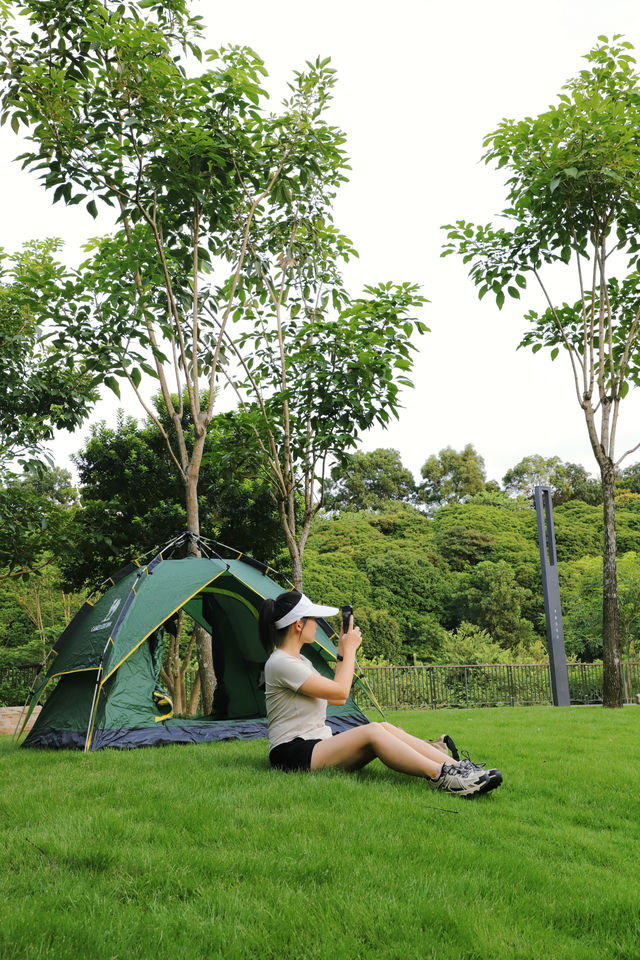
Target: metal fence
[486, 685]
[395, 688]
[15, 684]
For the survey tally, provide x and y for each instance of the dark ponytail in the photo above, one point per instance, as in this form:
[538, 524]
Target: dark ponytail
[271, 611]
[266, 629]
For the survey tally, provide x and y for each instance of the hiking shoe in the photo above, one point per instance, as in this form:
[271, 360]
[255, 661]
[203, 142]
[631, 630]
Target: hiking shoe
[495, 779]
[468, 764]
[458, 779]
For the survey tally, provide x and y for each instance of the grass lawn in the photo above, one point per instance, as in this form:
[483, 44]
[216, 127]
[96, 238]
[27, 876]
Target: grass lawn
[203, 852]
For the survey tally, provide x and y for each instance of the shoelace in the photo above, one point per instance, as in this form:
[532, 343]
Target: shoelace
[478, 766]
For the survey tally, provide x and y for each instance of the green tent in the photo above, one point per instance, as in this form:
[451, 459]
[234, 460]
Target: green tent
[107, 662]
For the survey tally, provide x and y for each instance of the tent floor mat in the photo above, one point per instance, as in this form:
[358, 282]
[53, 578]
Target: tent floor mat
[177, 730]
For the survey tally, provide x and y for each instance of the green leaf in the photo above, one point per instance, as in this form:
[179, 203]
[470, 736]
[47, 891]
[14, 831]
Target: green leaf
[553, 186]
[136, 376]
[93, 210]
[113, 384]
[149, 370]
[15, 123]
[555, 352]
[500, 299]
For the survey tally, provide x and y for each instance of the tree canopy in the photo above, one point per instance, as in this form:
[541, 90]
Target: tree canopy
[451, 476]
[131, 500]
[224, 263]
[573, 192]
[41, 388]
[567, 480]
[368, 481]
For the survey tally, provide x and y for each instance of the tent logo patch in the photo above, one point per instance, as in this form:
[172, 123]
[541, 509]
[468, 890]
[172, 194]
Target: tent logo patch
[109, 617]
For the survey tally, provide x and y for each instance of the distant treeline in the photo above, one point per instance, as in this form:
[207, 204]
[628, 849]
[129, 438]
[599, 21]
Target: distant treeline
[443, 570]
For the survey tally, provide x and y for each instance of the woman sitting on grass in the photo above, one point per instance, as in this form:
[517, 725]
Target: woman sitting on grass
[297, 697]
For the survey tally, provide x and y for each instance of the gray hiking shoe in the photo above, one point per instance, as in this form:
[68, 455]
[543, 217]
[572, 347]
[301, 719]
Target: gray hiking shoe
[494, 775]
[461, 780]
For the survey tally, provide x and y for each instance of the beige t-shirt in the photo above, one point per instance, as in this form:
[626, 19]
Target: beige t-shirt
[291, 714]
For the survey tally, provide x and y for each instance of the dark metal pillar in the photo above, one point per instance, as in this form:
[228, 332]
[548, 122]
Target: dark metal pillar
[551, 591]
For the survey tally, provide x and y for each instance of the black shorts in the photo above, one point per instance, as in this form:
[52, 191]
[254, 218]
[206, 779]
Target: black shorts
[294, 755]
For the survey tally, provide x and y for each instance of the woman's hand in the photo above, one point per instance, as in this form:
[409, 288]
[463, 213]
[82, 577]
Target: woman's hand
[350, 640]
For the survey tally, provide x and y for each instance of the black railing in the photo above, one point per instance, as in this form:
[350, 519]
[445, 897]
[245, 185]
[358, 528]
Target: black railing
[432, 686]
[486, 685]
[16, 684]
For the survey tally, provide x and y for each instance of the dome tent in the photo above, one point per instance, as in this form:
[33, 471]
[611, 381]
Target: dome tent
[107, 661]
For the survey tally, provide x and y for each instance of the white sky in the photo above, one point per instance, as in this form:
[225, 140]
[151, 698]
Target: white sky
[420, 84]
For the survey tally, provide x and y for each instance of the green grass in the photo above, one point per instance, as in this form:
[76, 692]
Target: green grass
[203, 852]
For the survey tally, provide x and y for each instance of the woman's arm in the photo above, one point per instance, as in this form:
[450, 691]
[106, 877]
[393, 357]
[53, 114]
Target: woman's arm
[336, 691]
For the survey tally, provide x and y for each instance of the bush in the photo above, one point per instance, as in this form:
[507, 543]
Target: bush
[470, 644]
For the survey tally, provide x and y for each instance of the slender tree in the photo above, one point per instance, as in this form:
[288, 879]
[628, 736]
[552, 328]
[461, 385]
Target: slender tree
[191, 163]
[318, 379]
[312, 366]
[574, 199]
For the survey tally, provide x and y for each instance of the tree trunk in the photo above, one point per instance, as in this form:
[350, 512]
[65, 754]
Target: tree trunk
[172, 683]
[612, 668]
[193, 699]
[296, 566]
[287, 520]
[176, 693]
[205, 668]
[203, 639]
[171, 673]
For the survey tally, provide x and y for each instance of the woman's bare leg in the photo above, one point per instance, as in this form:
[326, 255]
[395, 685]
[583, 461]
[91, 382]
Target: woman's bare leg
[354, 749]
[422, 746]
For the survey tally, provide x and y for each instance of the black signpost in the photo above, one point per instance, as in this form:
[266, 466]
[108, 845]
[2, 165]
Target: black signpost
[551, 591]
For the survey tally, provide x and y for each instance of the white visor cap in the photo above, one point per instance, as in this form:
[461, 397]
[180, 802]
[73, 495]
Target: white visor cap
[304, 608]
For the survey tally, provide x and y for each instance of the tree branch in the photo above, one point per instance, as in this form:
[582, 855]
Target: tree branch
[568, 346]
[627, 453]
[194, 331]
[585, 341]
[273, 456]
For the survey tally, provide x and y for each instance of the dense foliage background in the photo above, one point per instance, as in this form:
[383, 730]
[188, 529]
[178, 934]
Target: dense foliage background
[452, 582]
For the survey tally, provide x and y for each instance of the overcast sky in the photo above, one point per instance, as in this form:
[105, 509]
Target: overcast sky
[420, 84]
